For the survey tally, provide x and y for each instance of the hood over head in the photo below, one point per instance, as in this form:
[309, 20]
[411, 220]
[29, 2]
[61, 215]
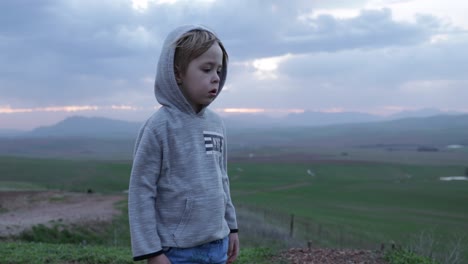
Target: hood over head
[166, 90]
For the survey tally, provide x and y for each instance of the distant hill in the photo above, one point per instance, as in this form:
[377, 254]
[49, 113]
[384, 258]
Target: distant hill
[106, 138]
[316, 118]
[98, 127]
[353, 127]
[426, 112]
[88, 127]
[433, 131]
[10, 132]
[310, 118]
[75, 137]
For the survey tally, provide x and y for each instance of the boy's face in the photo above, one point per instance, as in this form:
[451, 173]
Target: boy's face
[200, 83]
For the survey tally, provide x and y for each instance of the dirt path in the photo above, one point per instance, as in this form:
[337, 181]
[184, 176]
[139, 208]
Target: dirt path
[20, 210]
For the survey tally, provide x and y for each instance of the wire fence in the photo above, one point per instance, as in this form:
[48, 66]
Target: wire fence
[263, 226]
[266, 227]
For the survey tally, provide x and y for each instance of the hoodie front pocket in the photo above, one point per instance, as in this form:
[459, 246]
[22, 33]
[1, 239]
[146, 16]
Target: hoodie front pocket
[202, 221]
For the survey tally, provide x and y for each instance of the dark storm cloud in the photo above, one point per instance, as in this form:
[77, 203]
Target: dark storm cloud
[52, 48]
[64, 52]
[371, 29]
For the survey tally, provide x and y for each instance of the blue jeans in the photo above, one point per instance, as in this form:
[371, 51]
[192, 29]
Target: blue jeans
[210, 253]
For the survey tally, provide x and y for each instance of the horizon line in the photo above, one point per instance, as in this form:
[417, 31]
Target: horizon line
[16, 124]
[382, 111]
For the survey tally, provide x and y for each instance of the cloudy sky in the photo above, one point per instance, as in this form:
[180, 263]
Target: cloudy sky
[60, 58]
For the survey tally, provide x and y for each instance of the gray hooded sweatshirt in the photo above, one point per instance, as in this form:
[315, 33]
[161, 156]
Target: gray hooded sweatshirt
[179, 188]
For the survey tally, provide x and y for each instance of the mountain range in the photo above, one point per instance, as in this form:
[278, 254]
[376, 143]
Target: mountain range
[98, 127]
[314, 118]
[96, 137]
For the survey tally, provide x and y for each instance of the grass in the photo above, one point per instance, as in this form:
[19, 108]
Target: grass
[343, 204]
[401, 256]
[14, 185]
[39, 253]
[362, 154]
[64, 234]
[255, 256]
[93, 243]
[115, 234]
[27, 252]
[70, 175]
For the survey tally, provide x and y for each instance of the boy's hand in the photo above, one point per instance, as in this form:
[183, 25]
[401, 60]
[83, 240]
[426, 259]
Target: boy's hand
[233, 250]
[161, 259]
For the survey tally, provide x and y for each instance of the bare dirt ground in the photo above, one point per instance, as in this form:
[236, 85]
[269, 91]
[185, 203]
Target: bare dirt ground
[20, 210]
[330, 256]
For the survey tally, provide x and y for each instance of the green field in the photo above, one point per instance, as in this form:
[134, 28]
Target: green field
[361, 202]
[342, 204]
[70, 175]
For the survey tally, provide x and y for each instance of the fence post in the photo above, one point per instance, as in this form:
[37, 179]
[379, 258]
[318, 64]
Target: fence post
[320, 232]
[341, 237]
[291, 227]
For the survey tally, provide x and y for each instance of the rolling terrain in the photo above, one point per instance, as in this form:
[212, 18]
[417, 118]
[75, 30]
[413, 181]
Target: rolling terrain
[357, 204]
[342, 186]
[95, 138]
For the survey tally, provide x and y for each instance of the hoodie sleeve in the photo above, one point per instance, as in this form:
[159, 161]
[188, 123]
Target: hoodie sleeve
[141, 196]
[230, 210]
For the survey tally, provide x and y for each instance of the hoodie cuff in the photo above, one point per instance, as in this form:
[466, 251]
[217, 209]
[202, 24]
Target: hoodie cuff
[147, 256]
[234, 231]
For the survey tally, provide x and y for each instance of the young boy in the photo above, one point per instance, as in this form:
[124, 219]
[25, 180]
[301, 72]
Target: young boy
[180, 206]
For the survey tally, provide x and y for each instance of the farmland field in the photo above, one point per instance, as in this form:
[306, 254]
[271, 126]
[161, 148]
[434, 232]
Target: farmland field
[380, 202]
[362, 202]
[70, 175]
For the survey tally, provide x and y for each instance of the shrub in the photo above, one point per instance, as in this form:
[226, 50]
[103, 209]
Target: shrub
[59, 234]
[401, 256]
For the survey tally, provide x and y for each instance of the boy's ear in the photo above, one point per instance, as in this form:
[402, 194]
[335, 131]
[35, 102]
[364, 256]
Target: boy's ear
[178, 75]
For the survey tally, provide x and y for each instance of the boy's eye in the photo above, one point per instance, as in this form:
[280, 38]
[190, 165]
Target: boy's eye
[207, 70]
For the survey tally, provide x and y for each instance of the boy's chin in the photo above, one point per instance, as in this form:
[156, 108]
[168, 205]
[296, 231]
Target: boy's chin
[208, 102]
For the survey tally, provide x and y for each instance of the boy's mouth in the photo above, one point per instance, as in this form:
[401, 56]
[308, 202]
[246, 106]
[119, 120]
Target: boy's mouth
[213, 92]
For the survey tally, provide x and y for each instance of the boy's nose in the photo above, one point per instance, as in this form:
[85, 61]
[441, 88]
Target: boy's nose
[216, 78]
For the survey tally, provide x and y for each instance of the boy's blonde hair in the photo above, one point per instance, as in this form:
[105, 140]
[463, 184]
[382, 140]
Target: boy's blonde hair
[193, 44]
